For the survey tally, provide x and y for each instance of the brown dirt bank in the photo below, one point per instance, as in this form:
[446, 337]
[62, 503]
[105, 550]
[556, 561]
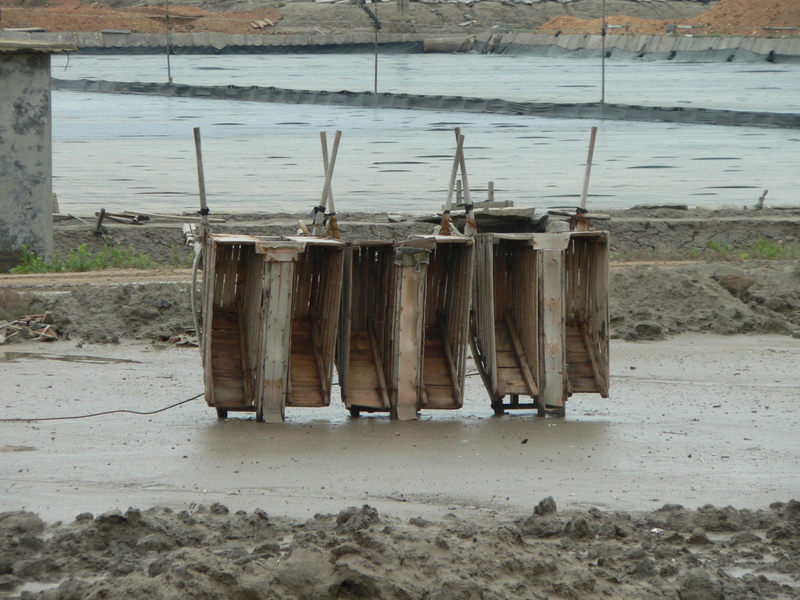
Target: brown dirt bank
[650, 297]
[704, 554]
[726, 17]
[237, 16]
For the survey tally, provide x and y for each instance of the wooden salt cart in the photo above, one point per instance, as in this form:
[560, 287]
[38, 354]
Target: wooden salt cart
[270, 311]
[518, 319]
[247, 309]
[446, 319]
[379, 357]
[316, 298]
[587, 312]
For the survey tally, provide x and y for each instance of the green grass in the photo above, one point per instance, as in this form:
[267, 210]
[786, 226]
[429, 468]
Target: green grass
[762, 248]
[81, 259]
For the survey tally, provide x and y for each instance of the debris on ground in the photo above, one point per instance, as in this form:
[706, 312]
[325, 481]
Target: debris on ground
[29, 327]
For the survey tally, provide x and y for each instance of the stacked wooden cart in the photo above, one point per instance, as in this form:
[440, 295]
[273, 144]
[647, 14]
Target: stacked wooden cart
[397, 320]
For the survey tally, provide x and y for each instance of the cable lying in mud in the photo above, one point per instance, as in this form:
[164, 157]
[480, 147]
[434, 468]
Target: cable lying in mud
[100, 414]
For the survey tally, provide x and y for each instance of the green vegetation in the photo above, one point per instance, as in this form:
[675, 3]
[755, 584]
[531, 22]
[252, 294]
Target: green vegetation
[180, 257]
[762, 248]
[81, 259]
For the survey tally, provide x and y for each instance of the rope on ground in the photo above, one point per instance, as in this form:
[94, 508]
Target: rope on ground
[100, 414]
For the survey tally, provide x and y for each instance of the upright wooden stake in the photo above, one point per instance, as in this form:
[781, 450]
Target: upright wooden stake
[326, 189]
[333, 223]
[446, 229]
[201, 182]
[469, 228]
[588, 171]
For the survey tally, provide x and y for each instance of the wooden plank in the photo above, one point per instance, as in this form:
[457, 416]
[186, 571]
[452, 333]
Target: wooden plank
[411, 279]
[592, 355]
[507, 359]
[510, 381]
[366, 398]
[553, 359]
[277, 280]
[383, 388]
[440, 397]
[516, 346]
[584, 385]
[229, 397]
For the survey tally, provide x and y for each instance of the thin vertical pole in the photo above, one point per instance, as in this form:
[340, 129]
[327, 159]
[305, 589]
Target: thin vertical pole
[169, 70]
[201, 182]
[375, 87]
[588, 171]
[603, 59]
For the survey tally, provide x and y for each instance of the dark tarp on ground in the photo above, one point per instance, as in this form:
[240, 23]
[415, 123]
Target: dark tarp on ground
[589, 110]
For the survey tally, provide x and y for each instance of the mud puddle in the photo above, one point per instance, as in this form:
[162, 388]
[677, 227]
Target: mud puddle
[13, 357]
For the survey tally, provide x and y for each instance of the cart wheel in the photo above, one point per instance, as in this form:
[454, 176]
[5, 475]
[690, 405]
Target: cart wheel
[355, 412]
[497, 407]
[222, 413]
[562, 410]
[541, 410]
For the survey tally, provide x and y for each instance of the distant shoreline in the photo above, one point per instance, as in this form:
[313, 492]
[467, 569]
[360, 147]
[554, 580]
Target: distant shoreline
[650, 46]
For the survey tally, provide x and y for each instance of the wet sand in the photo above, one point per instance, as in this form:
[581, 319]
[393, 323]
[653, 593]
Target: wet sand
[692, 420]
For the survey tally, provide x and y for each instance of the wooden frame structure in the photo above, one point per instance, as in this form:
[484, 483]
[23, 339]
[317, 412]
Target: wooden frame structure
[587, 312]
[246, 307]
[270, 320]
[379, 353]
[316, 297]
[446, 319]
[518, 319]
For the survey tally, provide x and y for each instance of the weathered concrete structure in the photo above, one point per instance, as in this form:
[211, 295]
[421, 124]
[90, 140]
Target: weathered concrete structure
[26, 196]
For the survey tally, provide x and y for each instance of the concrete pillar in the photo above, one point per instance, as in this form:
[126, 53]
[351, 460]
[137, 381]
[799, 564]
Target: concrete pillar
[26, 189]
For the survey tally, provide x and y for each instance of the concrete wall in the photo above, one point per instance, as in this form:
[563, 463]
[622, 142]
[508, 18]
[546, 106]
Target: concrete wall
[26, 205]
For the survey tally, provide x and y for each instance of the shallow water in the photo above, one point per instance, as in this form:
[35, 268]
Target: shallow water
[136, 153]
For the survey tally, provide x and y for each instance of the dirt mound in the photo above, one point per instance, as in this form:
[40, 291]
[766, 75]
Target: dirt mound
[625, 23]
[74, 15]
[649, 301]
[306, 17]
[102, 314]
[733, 17]
[208, 553]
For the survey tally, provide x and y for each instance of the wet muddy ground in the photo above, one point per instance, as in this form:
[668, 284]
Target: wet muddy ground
[693, 420]
[453, 499]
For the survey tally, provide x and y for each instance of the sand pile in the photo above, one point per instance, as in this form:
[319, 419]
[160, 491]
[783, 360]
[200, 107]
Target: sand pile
[735, 16]
[74, 15]
[707, 554]
[732, 17]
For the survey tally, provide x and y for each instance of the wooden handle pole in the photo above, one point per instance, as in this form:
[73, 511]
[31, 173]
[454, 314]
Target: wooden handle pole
[588, 171]
[463, 164]
[454, 172]
[326, 190]
[324, 140]
[469, 226]
[201, 180]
